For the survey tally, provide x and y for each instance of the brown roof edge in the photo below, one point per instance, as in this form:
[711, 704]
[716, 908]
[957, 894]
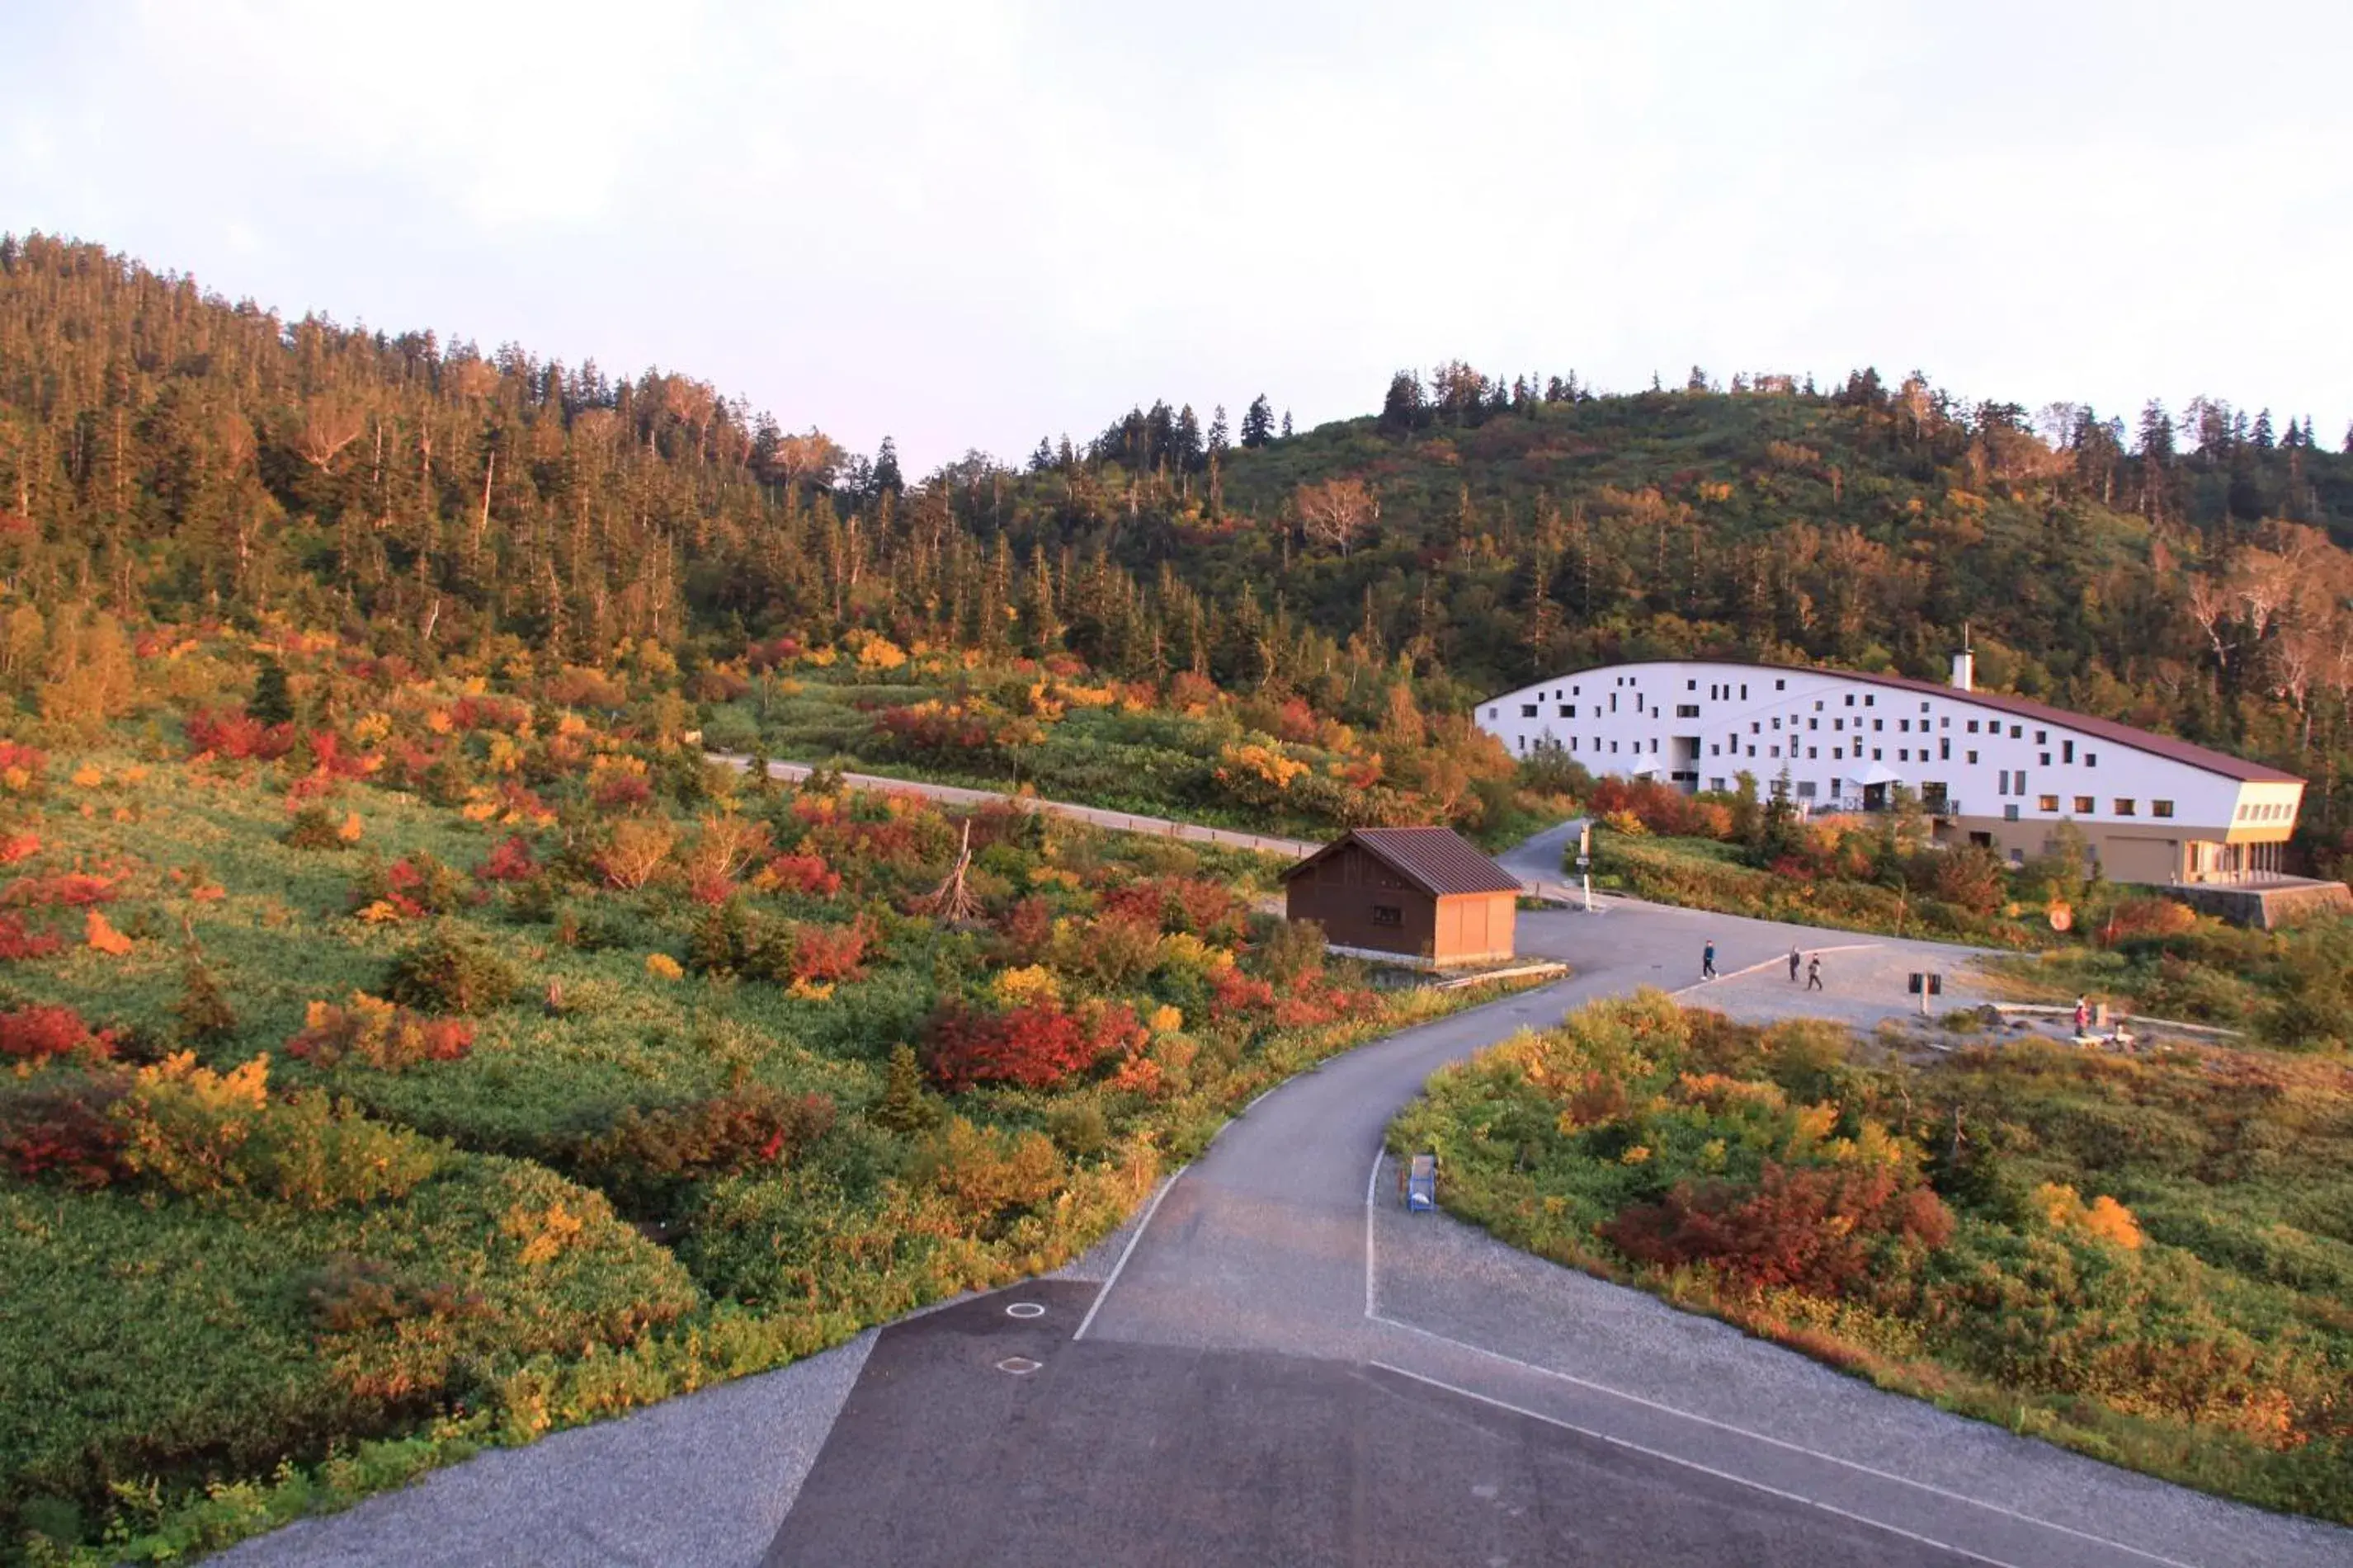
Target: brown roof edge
[1438, 861]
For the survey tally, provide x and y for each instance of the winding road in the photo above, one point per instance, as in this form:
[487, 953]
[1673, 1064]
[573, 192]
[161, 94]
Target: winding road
[1274, 1364]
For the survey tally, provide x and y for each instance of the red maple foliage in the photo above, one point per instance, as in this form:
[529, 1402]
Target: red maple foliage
[230, 733]
[60, 1129]
[36, 1032]
[823, 955]
[1811, 1229]
[511, 861]
[803, 873]
[17, 942]
[1036, 1047]
[72, 890]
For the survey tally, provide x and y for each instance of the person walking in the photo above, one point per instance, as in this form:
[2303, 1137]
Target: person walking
[1707, 961]
[1793, 963]
[2083, 1015]
[1814, 972]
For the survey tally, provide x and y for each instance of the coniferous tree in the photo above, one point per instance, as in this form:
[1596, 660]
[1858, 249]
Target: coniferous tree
[271, 704]
[887, 480]
[1258, 422]
[1286, 424]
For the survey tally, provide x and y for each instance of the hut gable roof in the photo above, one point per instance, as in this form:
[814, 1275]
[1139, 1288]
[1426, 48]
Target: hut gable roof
[1438, 861]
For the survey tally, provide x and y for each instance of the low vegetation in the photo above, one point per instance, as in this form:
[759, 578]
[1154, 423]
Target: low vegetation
[2147, 1258]
[427, 1067]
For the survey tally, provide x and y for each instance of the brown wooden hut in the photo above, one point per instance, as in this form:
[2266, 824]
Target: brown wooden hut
[1422, 894]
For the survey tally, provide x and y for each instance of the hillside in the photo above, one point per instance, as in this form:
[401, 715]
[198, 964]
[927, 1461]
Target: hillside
[169, 455]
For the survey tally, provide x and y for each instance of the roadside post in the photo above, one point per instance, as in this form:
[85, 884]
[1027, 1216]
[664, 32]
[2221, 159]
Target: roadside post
[1924, 985]
[1585, 861]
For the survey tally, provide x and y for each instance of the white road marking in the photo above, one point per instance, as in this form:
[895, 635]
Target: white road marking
[1766, 1438]
[1125, 1254]
[1703, 1469]
[1370, 1182]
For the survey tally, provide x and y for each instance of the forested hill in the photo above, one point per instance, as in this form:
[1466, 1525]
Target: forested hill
[167, 455]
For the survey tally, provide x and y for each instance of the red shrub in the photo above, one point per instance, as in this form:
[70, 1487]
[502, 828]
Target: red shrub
[36, 1032]
[1022, 932]
[823, 955]
[60, 1129]
[230, 733]
[489, 713]
[386, 1038]
[1235, 991]
[509, 862]
[13, 756]
[1811, 1229]
[74, 889]
[801, 873]
[17, 942]
[1036, 1047]
[1663, 808]
[19, 846]
[2140, 918]
[1178, 904]
[622, 792]
[767, 656]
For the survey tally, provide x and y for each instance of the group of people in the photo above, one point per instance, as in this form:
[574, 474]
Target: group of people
[1814, 966]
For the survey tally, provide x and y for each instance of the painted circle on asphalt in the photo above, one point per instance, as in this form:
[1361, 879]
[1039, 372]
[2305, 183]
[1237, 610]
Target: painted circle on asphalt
[1025, 1310]
[1018, 1365]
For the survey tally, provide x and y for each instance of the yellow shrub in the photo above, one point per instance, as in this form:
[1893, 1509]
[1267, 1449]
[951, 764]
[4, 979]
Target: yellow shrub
[1032, 983]
[2104, 1218]
[662, 966]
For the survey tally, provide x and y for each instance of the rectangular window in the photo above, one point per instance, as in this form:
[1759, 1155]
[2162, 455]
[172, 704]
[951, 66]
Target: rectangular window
[1850, 699]
[2066, 750]
[2003, 786]
[1755, 728]
[1686, 709]
[2083, 805]
[1743, 691]
[2018, 732]
[1568, 710]
[1527, 709]
[2160, 808]
[1973, 726]
[1813, 723]
[1812, 752]
[1691, 686]
[1389, 915]
[2010, 813]
[1838, 723]
[2048, 803]
[2124, 805]
[1493, 712]
[1944, 750]
[2091, 759]
[2041, 737]
[1805, 789]
[1973, 756]
[1870, 700]
[1772, 751]
[1717, 784]
[2043, 757]
[1879, 723]
[1904, 725]
[1875, 754]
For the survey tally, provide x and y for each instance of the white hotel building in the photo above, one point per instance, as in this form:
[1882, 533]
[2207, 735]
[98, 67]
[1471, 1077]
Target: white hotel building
[1998, 770]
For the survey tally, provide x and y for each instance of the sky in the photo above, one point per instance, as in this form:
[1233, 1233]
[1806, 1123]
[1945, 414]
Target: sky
[967, 224]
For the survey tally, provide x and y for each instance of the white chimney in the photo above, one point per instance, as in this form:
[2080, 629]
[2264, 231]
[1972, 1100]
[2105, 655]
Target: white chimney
[1965, 671]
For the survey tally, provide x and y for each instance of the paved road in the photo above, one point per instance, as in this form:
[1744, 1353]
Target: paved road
[1271, 1365]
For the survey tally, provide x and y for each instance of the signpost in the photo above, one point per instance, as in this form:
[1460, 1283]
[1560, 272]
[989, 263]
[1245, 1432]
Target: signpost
[1585, 861]
[1924, 985]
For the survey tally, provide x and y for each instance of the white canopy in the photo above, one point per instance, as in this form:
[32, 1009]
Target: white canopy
[1880, 773]
[1641, 768]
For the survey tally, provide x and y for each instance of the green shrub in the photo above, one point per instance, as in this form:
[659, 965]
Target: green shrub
[449, 971]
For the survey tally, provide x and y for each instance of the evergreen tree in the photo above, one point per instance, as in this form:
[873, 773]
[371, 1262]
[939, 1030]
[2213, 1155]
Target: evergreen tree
[906, 1107]
[2262, 431]
[1401, 410]
[273, 703]
[1286, 424]
[1220, 439]
[886, 478]
[1258, 422]
[1043, 457]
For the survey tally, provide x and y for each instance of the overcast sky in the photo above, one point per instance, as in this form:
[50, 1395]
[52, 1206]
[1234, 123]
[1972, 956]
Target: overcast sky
[969, 224]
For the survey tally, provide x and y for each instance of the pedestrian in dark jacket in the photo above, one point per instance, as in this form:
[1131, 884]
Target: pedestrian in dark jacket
[1707, 963]
[1793, 964]
[1814, 972]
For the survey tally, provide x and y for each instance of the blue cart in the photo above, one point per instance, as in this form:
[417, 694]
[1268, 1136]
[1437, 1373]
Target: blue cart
[1421, 1184]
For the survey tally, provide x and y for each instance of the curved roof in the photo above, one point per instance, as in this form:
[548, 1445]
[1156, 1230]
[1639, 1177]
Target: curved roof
[2166, 746]
[1436, 859]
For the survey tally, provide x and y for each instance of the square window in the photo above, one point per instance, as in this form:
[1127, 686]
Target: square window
[1391, 915]
[1568, 710]
[1870, 700]
[2047, 803]
[2010, 813]
[1973, 756]
[1805, 789]
[1973, 726]
[1691, 686]
[2091, 759]
[1812, 752]
[2018, 732]
[1492, 713]
[2160, 808]
[2124, 805]
[1875, 755]
[2085, 805]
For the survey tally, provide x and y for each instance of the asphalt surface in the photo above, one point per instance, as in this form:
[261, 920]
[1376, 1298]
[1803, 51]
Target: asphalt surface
[1272, 1364]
